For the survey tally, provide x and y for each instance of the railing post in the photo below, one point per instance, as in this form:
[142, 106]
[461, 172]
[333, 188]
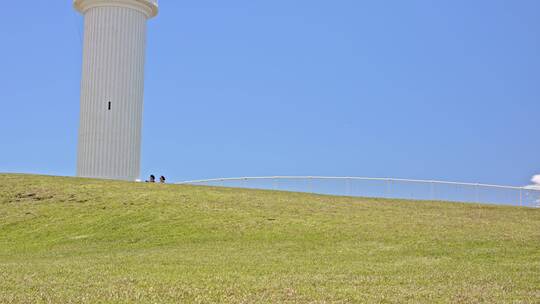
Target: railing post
[477, 195]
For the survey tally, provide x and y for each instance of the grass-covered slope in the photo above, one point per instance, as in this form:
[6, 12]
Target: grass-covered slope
[66, 240]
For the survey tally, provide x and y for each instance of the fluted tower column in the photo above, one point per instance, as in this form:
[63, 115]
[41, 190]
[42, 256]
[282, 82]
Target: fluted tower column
[112, 87]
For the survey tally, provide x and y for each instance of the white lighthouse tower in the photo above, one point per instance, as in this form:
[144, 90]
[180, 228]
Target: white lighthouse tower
[112, 87]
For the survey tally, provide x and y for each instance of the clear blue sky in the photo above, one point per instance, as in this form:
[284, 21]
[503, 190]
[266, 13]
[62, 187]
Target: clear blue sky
[421, 89]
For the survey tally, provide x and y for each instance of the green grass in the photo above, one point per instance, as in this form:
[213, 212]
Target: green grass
[67, 240]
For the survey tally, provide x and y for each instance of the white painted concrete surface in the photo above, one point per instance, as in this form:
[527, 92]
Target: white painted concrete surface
[112, 87]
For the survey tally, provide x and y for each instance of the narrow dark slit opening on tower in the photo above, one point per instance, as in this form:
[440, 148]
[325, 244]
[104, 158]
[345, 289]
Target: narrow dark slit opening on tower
[109, 106]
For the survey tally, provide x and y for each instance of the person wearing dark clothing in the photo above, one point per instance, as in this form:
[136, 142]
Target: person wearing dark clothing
[152, 179]
[162, 179]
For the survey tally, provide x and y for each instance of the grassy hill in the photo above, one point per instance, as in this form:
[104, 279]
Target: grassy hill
[67, 240]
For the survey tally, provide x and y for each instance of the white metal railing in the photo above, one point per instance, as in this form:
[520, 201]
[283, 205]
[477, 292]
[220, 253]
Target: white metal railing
[398, 188]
